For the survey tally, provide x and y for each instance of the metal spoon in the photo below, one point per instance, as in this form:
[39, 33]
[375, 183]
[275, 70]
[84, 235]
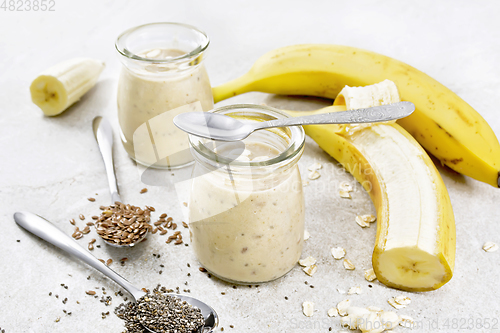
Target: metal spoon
[47, 231]
[104, 136]
[219, 127]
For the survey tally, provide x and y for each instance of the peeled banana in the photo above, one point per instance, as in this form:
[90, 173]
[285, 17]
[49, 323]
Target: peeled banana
[444, 124]
[415, 241]
[60, 86]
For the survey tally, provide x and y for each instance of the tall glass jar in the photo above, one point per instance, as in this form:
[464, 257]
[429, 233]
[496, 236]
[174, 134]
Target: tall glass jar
[162, 75]
[246, 209]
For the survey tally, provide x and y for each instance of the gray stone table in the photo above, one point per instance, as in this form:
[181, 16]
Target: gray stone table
[50, 166]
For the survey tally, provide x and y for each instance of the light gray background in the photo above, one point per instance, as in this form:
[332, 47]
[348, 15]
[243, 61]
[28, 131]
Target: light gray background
[51, 165]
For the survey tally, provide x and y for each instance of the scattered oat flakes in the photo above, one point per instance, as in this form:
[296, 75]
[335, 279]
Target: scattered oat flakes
[406, 321]
[368, 218]
[90, 292]
[341, 291]
[345, 186]
[345, 194]
[343, 306]
[348, 322]
[402, 300]
[370, 275]
[185, 204]
[338, 253]
[361, 222]
[374, 309]
[315, 166]
[399, 302]
[305, 183]
[306, 235]
[144, 190]
[333, 312]
[307, 261]
[310, 270]
[348, 265]
[313, 175]
[370, 323]
[308, 309]
[390, 319]
[355, 290]
[490, 247]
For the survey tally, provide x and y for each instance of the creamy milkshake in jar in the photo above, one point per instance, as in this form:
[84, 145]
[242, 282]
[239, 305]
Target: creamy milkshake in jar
[162, 75]
[246, 209]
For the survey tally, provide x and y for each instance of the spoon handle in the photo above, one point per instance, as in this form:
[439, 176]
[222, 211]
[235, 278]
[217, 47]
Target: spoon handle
[47, 231]
[104, 138]
[368, 115]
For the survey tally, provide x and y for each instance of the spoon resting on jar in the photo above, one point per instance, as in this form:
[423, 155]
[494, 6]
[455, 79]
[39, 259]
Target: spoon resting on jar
[224, 128]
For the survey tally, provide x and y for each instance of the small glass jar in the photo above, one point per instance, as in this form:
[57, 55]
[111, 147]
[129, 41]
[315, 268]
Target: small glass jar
[162, 75]
[246, 209]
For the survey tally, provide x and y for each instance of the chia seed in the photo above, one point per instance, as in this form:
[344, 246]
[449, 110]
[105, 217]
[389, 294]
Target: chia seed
[161, 313]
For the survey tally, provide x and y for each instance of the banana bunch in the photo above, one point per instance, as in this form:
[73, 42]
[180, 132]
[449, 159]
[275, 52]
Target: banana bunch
[415, 241]
[444, 124]
[60, 86]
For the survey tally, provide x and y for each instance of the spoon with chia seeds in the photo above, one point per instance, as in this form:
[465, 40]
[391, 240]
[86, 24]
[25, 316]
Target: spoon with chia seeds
[112, 229]
[184, 309]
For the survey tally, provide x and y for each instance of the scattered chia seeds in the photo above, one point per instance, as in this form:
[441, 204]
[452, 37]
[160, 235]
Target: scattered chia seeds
[161, 313]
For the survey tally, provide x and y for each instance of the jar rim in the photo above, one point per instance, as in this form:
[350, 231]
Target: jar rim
[122, 50]
[291, 152]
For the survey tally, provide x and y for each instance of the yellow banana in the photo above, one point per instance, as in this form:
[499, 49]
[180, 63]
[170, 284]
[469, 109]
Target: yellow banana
[443, 123]
[60, 86]
[415, 241]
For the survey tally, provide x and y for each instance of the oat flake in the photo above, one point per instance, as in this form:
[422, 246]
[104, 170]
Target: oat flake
[307, 261]
[345, 194]
[490, 247]
[345, 186]
[348, 265]
[370, 275]
[333, 312]
[355, 290]
[310, 270]
[306, 235]
[343, 306]
[308, 309]
[313, 175]
[338, 253]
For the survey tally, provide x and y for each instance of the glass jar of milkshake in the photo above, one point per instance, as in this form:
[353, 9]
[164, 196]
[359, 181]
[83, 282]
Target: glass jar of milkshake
[246, 209]
[162, 75]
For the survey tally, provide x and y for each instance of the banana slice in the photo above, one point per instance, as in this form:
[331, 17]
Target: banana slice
[60, 86]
